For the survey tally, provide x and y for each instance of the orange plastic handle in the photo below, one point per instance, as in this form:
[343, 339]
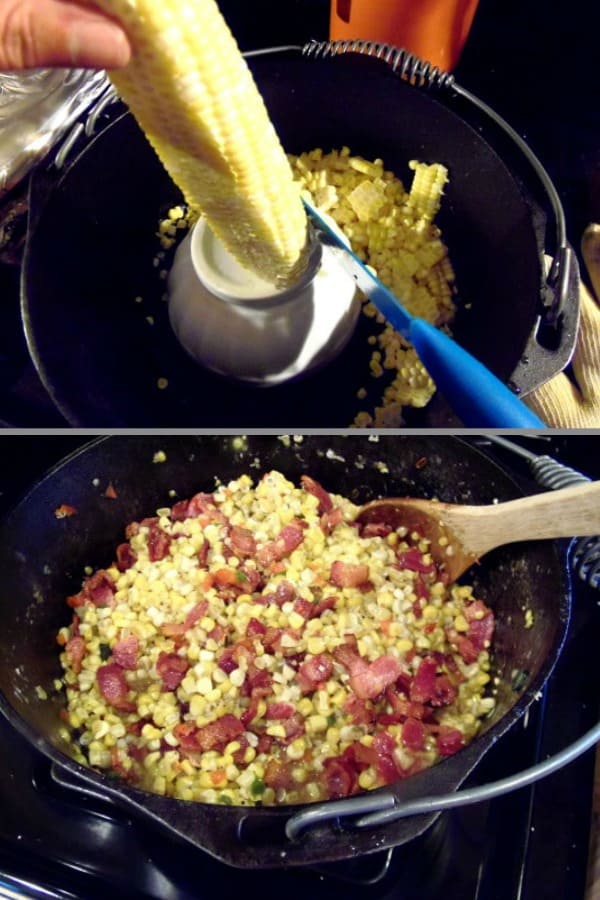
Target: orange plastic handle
[435, 30]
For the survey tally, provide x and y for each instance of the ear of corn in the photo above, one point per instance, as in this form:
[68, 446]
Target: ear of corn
[193, 95]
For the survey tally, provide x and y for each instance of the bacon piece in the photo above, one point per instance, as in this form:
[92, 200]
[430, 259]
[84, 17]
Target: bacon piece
[285, 592]
[75, 649]
[158, 543]
[100, 588]
[176, 629]
[110, 492]
[373, 680]
[413, 559]
[242, 541]
[113, 687]
[413, 734]
[219, 733]
[126, 557]
[449, 740]
[202, 555]
[199, 506]
[278, 775]
[64, 511]
[329, 520]
[125, 652]
[313, 672]
[321, 605]
[340, 777]
[429, 687]
[359, 710]
[255, 627]
[227, 662]
[171, 670]
[376, 529]
[186, 732]
[290, 537]
[303, 607]
[317, 490]
[279, 710]
[343, 574]
[481, 624]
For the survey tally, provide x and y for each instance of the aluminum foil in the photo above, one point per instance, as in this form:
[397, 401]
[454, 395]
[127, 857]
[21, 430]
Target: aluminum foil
[37, 107]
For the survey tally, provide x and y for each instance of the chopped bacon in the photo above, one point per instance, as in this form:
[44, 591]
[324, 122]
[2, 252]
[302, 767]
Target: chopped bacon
[125, 652]
[413, 734]
[303, 607]
[294, 726]
[64, 511]
[359, 710]
[219, 733]
[313, 487]
[376, 529]
[75, 649]
[429, 687]
[368, 679]
[110, 492]
[202, 555]
[279, 710]
[344, 574]
[329, 520]
[404, 708]
[126, 557]
[313, 672]
[227, 662]
[449, 740]
[321, 605]
[201, 506]
[255, 627]
[340, 777]
[158, 543]
[413, 559]
[171, 670]
[290, 537]
[481, 624]
[285, 592]
[373, 680]
[176, 629]
[273, 640]
[100, 588]
[113, 687]
[242, 541]
[278, 775]
[185, 732]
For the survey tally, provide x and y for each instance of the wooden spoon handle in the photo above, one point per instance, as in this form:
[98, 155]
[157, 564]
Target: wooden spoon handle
[570, 512]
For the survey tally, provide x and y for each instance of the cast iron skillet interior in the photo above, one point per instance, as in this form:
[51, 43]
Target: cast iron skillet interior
[42, 559]
[92, 246]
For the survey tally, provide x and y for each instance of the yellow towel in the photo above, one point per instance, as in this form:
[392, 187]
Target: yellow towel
[572, 398]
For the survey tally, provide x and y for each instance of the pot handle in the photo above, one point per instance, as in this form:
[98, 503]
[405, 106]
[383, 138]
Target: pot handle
[390, 809]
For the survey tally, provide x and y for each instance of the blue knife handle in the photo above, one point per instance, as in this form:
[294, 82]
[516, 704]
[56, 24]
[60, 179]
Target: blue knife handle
[474, 393]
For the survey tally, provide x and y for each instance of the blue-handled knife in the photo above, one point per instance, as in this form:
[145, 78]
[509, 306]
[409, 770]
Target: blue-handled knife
[479, 398]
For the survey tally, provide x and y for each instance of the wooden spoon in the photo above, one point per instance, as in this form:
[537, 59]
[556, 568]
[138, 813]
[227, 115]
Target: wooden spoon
[461, 535]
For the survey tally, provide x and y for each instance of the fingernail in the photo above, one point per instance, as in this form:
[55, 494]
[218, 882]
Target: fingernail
[99, 45]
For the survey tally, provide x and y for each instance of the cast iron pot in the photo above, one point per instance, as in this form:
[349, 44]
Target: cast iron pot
[42, 560]
[92, 246]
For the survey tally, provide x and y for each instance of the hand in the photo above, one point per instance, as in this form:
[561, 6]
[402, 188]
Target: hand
[572, 399]
[47, 33]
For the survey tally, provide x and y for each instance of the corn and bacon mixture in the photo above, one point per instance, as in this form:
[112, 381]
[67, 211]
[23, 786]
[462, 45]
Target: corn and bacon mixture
[254, 646]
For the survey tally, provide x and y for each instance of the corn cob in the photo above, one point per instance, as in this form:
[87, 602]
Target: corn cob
[193, 95]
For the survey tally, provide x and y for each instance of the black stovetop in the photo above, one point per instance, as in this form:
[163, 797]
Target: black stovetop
[530, 845]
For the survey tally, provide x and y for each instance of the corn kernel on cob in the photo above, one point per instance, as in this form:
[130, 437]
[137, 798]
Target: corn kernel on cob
[193, 95]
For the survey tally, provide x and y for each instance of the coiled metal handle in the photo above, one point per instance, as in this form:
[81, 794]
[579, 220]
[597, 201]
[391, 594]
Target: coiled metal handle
[549, 473]
[410, 67]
